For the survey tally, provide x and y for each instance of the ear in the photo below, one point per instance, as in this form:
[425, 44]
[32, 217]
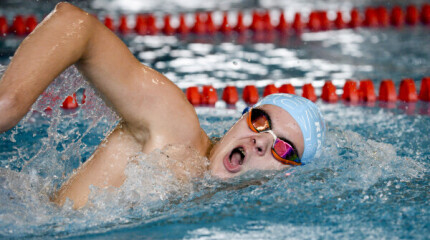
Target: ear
[245, 110]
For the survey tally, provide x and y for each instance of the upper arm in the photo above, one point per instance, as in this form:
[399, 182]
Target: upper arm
[149, 103]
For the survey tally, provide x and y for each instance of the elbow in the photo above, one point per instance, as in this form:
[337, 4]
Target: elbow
[67, 11]
[64, 7]
[9, 112]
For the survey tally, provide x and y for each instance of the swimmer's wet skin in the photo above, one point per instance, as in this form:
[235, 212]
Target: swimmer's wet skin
[154, 111]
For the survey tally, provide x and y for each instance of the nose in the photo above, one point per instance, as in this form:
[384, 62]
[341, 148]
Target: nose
[262, 142]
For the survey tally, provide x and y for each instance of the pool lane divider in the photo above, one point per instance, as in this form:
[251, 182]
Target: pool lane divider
[21, 25]
[353, 93]
[318, 20]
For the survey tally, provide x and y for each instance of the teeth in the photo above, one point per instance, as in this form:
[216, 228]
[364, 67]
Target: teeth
[240, 151]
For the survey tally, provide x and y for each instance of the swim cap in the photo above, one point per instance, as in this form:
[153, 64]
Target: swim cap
[307, 115]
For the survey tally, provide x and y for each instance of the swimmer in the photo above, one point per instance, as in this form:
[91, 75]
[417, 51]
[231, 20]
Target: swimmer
[277, 133]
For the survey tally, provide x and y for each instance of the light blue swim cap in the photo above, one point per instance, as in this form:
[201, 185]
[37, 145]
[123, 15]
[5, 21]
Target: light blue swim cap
[307, 115]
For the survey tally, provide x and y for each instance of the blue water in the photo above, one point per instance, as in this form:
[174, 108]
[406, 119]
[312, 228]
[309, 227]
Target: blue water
[370, 182]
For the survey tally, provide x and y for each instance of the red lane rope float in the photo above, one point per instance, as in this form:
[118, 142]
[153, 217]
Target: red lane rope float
[182, 28]
[425, 14]
[250, 94]
[151, 27]
[309, 92]
[282, 24]
[383, 17]
[209, 95]
[329, 92]
[3, 26]
[267, 22]
[387, 91]
[240, 26]
[30, 24]
[167, 28]
[210, 25]
[287, 88]
[339, 23]
[270, 89]
[297, 23]
[314, 23]
[18, 26]
[123, 26]
[140, 27]
[325, 23]
[70, 102]
[366, 91]
[193, 95]
[355, 19]
[407, 91]
[230, 95]
[257, 23]
[225, 26]
[350, 92]
[318, 21]
[108, 22]
[199, 27]
[412, 15]
[397, 16]
[370, 18]
[425, 90]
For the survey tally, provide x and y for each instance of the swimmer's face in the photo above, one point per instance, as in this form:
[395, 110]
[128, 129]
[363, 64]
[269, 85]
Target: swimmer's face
[242, 150]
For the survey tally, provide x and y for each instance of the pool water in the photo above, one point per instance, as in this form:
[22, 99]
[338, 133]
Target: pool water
[371, 181]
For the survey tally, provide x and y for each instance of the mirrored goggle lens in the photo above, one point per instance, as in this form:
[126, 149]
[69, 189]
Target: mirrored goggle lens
[259, 120]
[285, 151]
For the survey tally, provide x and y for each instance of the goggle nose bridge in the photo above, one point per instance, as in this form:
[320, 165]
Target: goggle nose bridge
[271, 133]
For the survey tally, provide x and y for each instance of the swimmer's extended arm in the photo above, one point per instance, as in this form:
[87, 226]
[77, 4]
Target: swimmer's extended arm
[149, 103]
[155, 112]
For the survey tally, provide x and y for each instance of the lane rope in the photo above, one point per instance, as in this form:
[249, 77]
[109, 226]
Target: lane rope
[318, 20]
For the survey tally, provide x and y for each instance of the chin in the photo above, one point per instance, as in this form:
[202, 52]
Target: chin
[221, 164]
[217, 170]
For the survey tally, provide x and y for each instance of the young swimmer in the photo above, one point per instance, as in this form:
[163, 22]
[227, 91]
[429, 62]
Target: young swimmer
[278, 132]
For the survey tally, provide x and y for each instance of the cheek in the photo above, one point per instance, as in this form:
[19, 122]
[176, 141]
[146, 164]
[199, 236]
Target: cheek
[235, 134]
[217, 157]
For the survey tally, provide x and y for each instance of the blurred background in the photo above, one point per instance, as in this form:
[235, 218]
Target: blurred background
[133, 6]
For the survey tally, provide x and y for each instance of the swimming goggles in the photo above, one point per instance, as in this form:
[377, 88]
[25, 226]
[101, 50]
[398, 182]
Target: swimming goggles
[283, 150]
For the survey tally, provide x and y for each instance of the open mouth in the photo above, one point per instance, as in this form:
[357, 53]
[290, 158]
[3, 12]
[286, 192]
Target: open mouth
[233, 162]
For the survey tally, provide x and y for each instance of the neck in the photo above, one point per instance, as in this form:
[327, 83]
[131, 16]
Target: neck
[210, 146]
